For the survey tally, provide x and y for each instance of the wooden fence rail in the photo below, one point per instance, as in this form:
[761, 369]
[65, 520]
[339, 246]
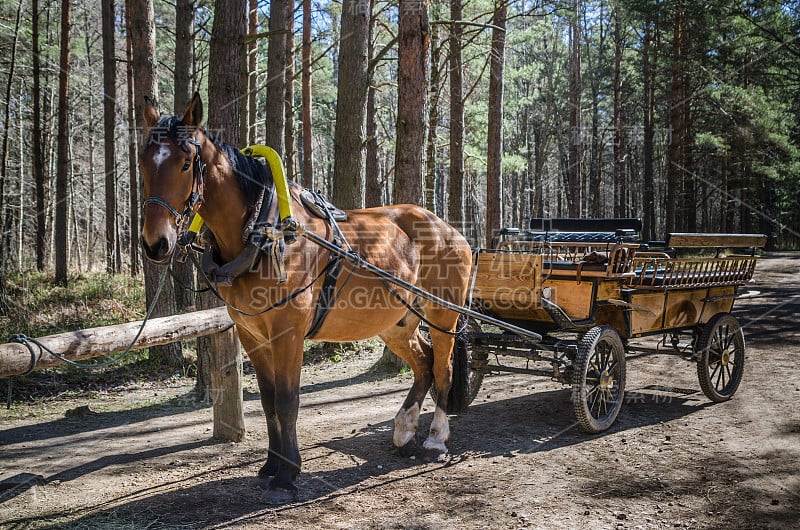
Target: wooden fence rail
[15, 358]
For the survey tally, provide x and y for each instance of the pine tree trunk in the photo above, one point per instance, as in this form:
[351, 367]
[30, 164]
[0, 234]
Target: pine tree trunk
[373, 189]
[494, 156]
[62, 168]
[184, 54]
[574, 167]
[142, 32]
[90, 207]
[276, 75]
[373, 194]
[413, 43]
[433, 121]
[109, 131]
[252, 77]
[4, 214]
[455, 207]
[133, 174]
[21, 195]
[184, 66]
[289, 138]
[226, 97]
[36, 141]
[674, 171]
[353, 82]
[412, 51]
[619, 137]
[649, 230]
[308, 150]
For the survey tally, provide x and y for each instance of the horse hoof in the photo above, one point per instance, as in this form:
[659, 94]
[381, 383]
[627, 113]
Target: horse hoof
[409, 449]
[268, 470]
[278, 491]
[276, 496]
[432, 455]
[433, 445]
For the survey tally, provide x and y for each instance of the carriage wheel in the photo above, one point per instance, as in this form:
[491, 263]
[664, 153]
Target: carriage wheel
[466, 381]
[598, 380]
[720, 362]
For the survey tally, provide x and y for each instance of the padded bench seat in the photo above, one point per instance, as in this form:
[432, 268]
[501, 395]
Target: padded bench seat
[573, 237]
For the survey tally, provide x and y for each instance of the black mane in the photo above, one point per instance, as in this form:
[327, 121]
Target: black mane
[251, 174]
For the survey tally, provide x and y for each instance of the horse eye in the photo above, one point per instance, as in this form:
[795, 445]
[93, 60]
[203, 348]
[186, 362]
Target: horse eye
[186, 165]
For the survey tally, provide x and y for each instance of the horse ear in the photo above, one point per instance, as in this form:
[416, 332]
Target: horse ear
[150, 113]
[194, 112]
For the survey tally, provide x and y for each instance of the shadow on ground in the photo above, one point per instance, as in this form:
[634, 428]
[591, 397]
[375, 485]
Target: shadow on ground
[538, 422]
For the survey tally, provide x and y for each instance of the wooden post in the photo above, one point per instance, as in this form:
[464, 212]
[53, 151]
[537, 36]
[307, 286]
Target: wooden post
[226, 386]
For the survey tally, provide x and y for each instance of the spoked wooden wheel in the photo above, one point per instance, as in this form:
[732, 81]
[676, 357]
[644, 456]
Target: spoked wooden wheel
[466, 380]
[720, 361]
[598, 380]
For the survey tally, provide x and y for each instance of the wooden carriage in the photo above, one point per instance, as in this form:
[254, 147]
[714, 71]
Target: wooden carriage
[592, 289]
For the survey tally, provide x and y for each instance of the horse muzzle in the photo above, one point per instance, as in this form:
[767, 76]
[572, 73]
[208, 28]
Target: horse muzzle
[160, 250]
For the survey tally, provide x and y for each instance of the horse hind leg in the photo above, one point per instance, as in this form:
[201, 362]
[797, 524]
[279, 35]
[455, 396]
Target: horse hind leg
[404, 341]
[442, 344]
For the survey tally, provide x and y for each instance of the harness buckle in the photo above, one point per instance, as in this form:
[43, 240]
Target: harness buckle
[289, 228]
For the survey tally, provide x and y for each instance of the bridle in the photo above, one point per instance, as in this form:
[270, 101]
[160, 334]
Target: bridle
[183, 219]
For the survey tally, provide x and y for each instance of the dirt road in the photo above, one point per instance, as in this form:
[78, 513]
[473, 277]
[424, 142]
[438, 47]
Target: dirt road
[143, 458]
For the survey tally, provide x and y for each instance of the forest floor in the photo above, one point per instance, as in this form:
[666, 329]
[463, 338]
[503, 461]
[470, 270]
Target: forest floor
[142, 456]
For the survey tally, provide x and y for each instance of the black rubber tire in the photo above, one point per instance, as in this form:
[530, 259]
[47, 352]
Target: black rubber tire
[598, 379]
[720, 357]
[466, 381]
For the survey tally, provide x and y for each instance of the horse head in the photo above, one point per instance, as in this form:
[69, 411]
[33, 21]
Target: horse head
[172, 171]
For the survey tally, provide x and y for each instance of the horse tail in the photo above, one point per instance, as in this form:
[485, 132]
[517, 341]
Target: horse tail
[459, 397]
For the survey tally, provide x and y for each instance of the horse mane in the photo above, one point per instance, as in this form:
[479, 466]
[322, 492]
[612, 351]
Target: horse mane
[252, 175]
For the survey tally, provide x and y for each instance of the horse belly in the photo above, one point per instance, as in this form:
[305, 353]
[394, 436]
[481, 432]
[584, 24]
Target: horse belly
[361, 312]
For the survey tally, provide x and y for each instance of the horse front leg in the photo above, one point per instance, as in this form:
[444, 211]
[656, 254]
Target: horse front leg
[287, 348]
[260, 355]
[266, 387]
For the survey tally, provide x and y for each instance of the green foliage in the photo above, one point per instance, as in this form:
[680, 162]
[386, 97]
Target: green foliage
[40, 307]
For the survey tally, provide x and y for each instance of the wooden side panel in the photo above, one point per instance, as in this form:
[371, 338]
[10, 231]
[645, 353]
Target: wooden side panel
[720, 301]
[647, 312]
[609, 290]
[609, 315]
[509, 284]
[574, 298]
[684, 308]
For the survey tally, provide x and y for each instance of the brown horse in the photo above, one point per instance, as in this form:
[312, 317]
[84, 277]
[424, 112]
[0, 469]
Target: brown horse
[406, 240]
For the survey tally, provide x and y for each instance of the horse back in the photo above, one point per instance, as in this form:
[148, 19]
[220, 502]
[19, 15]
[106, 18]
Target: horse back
[439, 254]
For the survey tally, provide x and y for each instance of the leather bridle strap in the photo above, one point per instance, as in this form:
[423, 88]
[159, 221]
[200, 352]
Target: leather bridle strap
[161, 202]
[195, 194]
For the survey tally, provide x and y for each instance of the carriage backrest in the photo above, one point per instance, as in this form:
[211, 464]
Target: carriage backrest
[683, 240]
[570, 230]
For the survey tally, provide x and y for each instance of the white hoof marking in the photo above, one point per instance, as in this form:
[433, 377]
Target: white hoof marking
[405, 425]
[440, 432]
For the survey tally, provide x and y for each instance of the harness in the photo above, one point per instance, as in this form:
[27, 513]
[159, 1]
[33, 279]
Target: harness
[267, 232]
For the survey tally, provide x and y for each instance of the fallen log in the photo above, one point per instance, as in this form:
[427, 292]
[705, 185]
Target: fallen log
[15, 358]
